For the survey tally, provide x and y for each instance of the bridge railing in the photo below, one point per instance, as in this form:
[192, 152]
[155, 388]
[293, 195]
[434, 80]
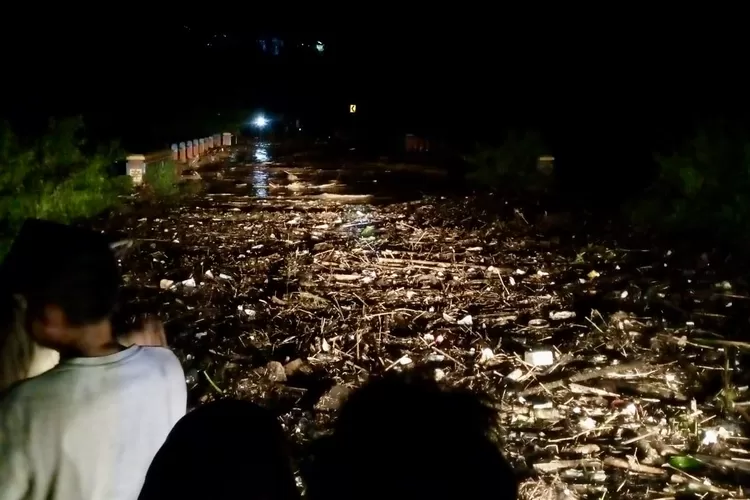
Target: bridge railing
[182, 154]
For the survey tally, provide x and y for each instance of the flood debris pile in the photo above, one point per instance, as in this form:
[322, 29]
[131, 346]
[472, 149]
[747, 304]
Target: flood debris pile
[617, 370]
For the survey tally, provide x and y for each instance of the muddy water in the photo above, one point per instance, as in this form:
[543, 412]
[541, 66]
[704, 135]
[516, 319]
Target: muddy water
[261, 172]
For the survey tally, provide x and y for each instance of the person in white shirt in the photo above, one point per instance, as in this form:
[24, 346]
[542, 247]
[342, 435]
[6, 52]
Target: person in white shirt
[21, 357]
[89, 428]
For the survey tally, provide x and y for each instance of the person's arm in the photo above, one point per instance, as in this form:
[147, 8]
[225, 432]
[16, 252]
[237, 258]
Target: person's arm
[149, 333]
[15, 471]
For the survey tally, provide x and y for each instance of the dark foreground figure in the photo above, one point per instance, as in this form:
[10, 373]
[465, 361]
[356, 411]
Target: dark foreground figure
[89, 427]
[228, 449]
[408, 438]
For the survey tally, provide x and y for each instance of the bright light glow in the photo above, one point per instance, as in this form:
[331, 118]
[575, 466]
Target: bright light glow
[260, 121]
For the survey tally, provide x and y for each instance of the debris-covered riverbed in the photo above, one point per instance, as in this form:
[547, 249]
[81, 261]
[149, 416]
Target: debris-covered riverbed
[617, 370]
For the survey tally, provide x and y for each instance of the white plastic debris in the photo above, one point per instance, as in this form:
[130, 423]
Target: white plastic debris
[325, 346]
[714, 435]
[724, 285]
[225, 277]
[209, 274]
[538, 323]
[404, 361]
[539, 358]
[466, 320]
[248, 311]
[428, 337]
[166, 284]
[439, 374]
[560, 315]
[631, 410]
[190, 282]
[587, 424]
[486, 355]
[515, 374]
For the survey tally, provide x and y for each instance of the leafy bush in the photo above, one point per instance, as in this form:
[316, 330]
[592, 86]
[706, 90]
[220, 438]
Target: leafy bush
[511, 165]
[162, 179]
[54, 178]
[703, 187]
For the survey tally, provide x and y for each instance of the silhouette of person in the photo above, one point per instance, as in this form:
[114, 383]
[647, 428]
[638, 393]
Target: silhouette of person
[227, 449]
[404, 436]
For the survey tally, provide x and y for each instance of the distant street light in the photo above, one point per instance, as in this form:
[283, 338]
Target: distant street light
[260, 121]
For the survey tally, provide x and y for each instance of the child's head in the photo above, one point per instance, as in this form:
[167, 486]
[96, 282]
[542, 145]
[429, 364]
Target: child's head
[68, 276]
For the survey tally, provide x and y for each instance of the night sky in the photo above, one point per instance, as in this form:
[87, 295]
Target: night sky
[623, 76]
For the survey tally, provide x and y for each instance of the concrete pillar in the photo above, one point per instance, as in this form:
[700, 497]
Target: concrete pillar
[210, 142]
[182, 152]
[136, 168]
[189, 150]
[175, 152]
[196, 148]
[217, 140]
[226, 139]
[202, 145]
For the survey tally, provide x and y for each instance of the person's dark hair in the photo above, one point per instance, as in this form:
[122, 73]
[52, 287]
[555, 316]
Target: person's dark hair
[407, 437]
[225, 449]
[56, 264]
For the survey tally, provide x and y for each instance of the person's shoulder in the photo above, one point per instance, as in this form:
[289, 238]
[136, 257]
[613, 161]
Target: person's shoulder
[25, 395]
[158, 352]
[161, 355]
[35, 385]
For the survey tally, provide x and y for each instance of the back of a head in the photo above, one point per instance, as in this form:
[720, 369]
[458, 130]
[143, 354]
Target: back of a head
[407, 437]
[72, 268]
[226, 449]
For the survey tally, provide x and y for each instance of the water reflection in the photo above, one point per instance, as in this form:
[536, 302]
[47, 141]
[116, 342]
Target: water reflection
[261, 153]
[260, 182]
